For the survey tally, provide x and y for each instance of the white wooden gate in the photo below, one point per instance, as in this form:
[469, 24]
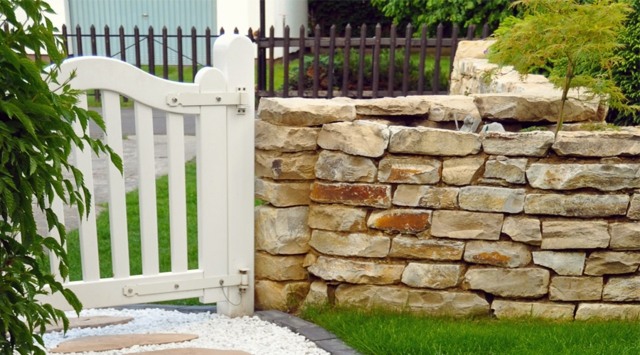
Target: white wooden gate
[222, 98]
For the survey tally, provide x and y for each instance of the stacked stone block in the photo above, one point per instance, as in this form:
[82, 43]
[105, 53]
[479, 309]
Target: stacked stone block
[361, 210]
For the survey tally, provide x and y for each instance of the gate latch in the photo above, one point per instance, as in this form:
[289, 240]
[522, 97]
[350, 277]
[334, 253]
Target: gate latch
[240, 98]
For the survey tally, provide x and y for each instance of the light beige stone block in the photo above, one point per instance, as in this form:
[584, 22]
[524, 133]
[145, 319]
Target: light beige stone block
[318, 294]
[491, 199]
[535, 144]
[285, 139]
[337, 166]
[574, 234]
[282, 230]
[297, 111]
[350, 244]
[285, 166]
[533, 107]
[466, 225]
[442, 303]
[604, 177]
[622, 289]
[283, 194]
[393, 106]
[523, 229]
[500, 253]
[505, 309]
[283, 296]
[518, 283]
[446, 108]
[612, 262]
[426, 196]
[337, 218]
[356, 272]
[600, 311]
[461, 171]
[505, 169]
[563, 263]
[409, 170]
[577, 205]
[431, 249]
[634, 207]
[625, 236]
[597, 144]
[438, 276]
[363, 138]
[280, 268]
[432, 141]
[575, 288]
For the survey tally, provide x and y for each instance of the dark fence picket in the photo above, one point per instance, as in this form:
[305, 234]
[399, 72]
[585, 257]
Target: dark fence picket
[107, 41]
[345, 62]
[423, 58]
[316, 61]
[301, 46]
[151, 51]
[454, 46]
[285, 62]
[208, 45]
[376, 61]
[194, 53]
[271, 62]
[407, 59]
[180, 57]
[392, 61]
[436, 63]
[136, 42]
[332, 50]
[165, 53]
[361, 51]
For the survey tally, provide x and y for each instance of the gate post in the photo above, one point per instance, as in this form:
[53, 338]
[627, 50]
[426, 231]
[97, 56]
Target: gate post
[234, 56]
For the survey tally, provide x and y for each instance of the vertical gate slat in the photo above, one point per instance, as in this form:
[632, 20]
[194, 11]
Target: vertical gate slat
[87, 229]
[361, 50]
[211, 161]
[233, 59]
[117, 198]
[423, 55]
[345, 63]
[177, 192]
[392, 61]
[376, 62]
[147, 189]
[58, 208]
[332, 48]
[285, 62]
[407, 60]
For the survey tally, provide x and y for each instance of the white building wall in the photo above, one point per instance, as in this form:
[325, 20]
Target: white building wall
[245, 14]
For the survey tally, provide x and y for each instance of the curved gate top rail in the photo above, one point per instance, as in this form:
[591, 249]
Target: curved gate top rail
[222, 100]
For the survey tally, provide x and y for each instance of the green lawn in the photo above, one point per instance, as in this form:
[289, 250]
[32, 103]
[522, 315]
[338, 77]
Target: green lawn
[380, 332]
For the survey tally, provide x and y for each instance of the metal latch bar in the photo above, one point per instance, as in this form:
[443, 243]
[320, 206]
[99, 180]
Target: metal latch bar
[182, 285]
[187, 99]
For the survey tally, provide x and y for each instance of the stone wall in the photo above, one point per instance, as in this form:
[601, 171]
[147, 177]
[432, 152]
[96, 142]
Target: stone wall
[366, 203]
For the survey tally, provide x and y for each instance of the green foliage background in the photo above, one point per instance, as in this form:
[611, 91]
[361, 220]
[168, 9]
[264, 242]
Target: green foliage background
[36, 139]
[626, 72]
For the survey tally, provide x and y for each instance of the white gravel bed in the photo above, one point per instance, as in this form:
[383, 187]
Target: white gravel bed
[249, 334]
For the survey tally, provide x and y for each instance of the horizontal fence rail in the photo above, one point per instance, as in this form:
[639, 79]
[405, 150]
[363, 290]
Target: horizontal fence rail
[309, 65]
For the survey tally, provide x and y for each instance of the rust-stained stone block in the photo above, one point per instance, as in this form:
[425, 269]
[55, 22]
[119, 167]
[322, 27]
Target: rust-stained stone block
[400, 220]
[373, 195]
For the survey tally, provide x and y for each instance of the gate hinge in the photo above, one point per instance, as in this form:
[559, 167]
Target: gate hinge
[240, 98]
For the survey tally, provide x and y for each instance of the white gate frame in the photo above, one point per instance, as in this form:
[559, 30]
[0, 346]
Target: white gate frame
[222, 98]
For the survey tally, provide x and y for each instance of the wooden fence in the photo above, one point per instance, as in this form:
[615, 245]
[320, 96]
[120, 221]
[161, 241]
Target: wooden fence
[353, 65]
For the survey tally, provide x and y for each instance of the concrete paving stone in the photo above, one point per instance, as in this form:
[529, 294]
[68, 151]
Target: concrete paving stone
[117, 342]
[336, 347]
[195, 351]
[89, 322]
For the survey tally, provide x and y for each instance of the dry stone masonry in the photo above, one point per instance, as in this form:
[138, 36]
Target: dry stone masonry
[379, 203]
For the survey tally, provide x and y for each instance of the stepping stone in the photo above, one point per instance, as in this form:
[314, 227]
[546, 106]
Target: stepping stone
[117, 342]
[89, 322]
[196, 351]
